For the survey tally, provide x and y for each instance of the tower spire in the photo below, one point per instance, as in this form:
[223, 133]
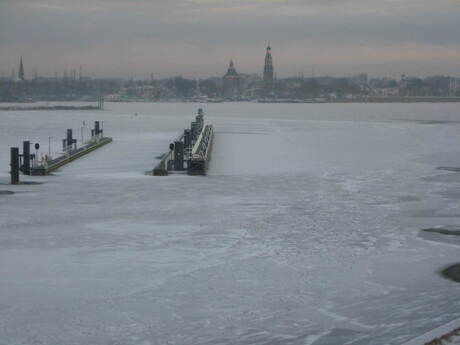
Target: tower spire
[231, 68]
[21, 70]
[268, 71]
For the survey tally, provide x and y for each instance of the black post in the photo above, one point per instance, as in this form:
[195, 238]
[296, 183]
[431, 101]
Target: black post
[14, 165]
[96, 128]
[70, 140]
[178, 155]
[69, 137]
[200, 120]
[187, 139]
[194, 130]
[26, 157]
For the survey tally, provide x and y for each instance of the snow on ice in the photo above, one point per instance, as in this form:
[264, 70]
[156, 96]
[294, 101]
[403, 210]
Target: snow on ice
[305, 231]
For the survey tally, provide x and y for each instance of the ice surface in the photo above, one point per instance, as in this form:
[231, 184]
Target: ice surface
[440, 333]
[306, 231]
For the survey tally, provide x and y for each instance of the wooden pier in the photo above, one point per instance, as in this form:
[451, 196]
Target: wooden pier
[29, 164]
[190, 152]
[51, 165]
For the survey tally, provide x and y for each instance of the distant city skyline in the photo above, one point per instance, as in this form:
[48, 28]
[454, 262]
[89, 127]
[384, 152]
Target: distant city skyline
[197, 38]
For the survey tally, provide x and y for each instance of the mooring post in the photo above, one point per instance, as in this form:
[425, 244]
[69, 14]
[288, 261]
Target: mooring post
[70, 140]
[200, 120]
[14, 164]
[194, 130]
[69, 137]
[96, 128]
[178, 155]
[26, 157]
[187, 141]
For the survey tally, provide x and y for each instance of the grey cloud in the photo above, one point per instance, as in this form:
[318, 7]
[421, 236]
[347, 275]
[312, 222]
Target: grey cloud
[67, 26]
[73, 28]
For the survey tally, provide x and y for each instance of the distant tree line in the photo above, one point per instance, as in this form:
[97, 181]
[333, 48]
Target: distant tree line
[69, 89]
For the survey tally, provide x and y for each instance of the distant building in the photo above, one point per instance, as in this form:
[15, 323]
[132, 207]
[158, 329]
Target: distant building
[454, 86]
[232, 83]
[268, 73]
[21, 70]
[389, 92]
[360, 79]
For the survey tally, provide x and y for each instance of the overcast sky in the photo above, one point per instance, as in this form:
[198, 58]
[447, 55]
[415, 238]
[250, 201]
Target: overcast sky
[196, 38]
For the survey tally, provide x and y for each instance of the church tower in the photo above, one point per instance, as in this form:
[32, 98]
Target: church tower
[232, 83]
[268, 71]
[21, 70]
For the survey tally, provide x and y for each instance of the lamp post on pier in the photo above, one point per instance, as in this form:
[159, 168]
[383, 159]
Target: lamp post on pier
[49, 147]
[82, 127]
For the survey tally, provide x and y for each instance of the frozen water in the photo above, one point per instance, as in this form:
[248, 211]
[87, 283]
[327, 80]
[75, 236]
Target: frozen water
[305, 231]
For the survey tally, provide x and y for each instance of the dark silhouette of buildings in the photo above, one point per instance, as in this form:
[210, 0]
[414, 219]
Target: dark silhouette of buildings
[233, 86]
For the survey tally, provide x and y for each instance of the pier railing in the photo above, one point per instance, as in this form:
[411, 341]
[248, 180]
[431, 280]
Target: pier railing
[201, 152]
